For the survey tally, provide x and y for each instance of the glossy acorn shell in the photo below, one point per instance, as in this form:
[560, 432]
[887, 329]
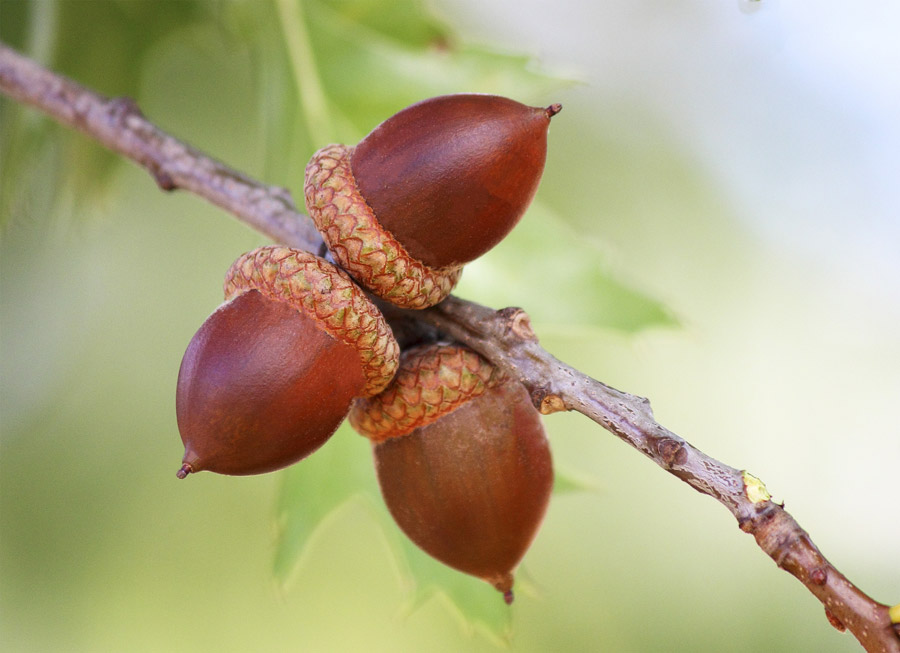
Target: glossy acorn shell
[428, 190]
[261, 386]
[449, 177]
[471, 488]
[271, 373]
[462, 459]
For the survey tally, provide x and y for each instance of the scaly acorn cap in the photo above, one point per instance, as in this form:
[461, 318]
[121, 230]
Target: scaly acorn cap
[431, 382]
[360, 244]
[326, 293]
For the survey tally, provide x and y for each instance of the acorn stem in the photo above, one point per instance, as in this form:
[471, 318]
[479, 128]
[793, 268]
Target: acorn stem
[184, 471]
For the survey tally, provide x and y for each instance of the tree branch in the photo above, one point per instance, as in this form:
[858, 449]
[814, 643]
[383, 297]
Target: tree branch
[118, 124]
[505, 337]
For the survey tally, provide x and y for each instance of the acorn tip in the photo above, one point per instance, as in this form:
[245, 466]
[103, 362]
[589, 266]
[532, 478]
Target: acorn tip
[508, 597]
[553, 109]
[184, 471]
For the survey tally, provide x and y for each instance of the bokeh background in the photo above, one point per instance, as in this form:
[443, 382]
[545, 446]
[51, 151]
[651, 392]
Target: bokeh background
[718, 229]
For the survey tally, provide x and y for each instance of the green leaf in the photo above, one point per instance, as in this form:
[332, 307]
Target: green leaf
[402, 21]
[566, 481]
[314, 489]
[475, 603]
[558, 276]
[121, 34]
[377, 57]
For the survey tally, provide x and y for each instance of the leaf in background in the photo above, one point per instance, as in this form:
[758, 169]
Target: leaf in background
[567, 480]
[120, 34]
[314, 489]
[256, 25]
[474, 602]
[557, 274]
[376, 57]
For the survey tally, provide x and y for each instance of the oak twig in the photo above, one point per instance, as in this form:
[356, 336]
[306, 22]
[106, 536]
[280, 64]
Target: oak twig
[118, 124]
[505, 337]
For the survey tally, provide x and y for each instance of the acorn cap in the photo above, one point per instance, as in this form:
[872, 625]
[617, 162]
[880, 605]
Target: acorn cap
[272, 372]
[360, 244]
[432, 381]
[324, 292]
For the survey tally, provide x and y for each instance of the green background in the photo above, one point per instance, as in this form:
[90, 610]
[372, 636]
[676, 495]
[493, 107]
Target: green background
[716, 230]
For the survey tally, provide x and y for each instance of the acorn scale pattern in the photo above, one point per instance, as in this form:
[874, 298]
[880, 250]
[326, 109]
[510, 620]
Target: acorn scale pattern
[360, 244]
[322, 291]
[432, 381]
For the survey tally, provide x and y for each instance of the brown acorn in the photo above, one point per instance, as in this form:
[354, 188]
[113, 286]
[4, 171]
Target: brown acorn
[431, 188]
[462, 460]
[272, 372]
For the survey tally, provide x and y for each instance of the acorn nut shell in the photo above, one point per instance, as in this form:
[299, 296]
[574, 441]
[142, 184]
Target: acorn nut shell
[462, 460]
[428, 190]
[272, 372]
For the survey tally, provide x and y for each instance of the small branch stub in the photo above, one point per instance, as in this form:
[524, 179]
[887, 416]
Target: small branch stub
[519, 323]
[552, 404]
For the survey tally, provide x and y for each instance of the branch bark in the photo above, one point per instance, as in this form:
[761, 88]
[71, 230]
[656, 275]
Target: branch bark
[505, 337]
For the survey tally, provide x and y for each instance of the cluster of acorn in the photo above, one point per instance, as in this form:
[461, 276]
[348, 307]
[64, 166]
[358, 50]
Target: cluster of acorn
[461, 456]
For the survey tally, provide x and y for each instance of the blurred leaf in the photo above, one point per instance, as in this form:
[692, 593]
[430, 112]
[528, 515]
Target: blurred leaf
[474, 602]
[557, 274]
[402, 21]
[566, 481]
[14, 21]
[285, 143]
[377, 57]
[120, 33]
[313, 490]
[31, 164]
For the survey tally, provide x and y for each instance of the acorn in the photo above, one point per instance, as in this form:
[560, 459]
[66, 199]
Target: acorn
[271, 374]
[428, 190]
[462, 460]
